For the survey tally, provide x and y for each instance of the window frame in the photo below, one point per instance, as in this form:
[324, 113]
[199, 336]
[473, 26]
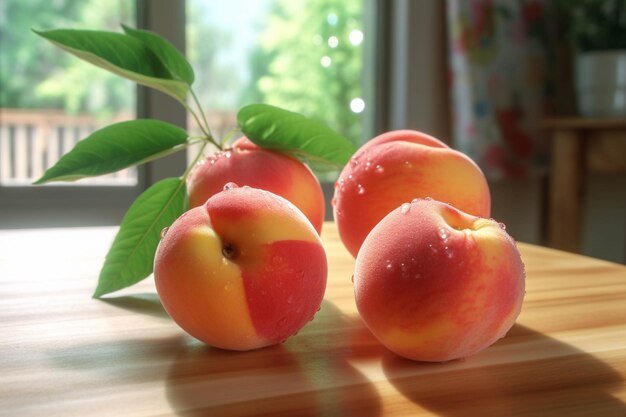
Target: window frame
[69, 205]
[410, 94]
[403, 94]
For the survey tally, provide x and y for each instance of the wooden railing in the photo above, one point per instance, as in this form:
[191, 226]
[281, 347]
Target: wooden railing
[32, 140]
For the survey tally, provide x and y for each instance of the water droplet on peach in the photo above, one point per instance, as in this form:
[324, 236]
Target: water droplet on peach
[164, 232]
[443, 233]
[389, 265]
[341, 186]
[359, 189]
[230, 186]
[379, 169]
[449, 252]
[502, 225]
[404, 208]
[428, 198]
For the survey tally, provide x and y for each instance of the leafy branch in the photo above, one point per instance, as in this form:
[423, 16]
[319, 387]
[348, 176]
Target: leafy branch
[150, 60]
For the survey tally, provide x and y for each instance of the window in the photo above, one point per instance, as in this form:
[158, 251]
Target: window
[48, 101]
[47, 108]
[303, 56]
[307, 57]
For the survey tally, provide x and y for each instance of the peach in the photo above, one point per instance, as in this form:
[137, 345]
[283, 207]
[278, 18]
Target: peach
[243, 271]
[396, 167]
[247, 164]
[434, 284]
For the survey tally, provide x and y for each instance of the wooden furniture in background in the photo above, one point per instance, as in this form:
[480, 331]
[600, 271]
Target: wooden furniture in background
[63, 353]
[578, 146]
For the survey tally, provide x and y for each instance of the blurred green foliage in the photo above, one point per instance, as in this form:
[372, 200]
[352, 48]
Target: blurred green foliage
[33, 74]
[309, 60]
[597, 24]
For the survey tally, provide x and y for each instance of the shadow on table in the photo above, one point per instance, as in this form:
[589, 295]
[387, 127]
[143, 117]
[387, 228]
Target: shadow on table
[309, 375]
[144, 303]
[118, 357]
[549, 378]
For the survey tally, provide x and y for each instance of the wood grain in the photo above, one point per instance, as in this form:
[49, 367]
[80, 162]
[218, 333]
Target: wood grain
[64, 354]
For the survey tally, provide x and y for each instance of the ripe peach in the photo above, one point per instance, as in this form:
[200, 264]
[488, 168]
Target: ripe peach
[248, 164]
[243, 271]
[433, 283]
[396, 167]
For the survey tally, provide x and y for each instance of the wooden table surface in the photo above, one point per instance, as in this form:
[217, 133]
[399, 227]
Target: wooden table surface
[65, 354]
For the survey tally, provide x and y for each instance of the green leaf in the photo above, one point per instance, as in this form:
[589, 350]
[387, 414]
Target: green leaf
[275, 128]
[120, 54]
[171, 57]
[116, 147]
[131, 256]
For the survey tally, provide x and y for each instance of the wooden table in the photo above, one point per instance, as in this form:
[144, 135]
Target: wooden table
[579, 145]
[65, 354]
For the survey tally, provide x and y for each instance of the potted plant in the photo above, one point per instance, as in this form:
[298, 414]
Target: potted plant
[598, 29]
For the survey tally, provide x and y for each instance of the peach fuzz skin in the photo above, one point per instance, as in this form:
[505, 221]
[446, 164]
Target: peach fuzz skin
[248, 164]
[434, 284]
[399, 166]
[243, 271]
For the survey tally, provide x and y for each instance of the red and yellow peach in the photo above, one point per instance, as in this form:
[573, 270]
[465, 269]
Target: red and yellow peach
[396, 167]
[249, 165]
[434, 284]
[243, 271]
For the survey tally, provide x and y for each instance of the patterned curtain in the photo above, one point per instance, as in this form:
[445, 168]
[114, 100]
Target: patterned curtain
[500, 83]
